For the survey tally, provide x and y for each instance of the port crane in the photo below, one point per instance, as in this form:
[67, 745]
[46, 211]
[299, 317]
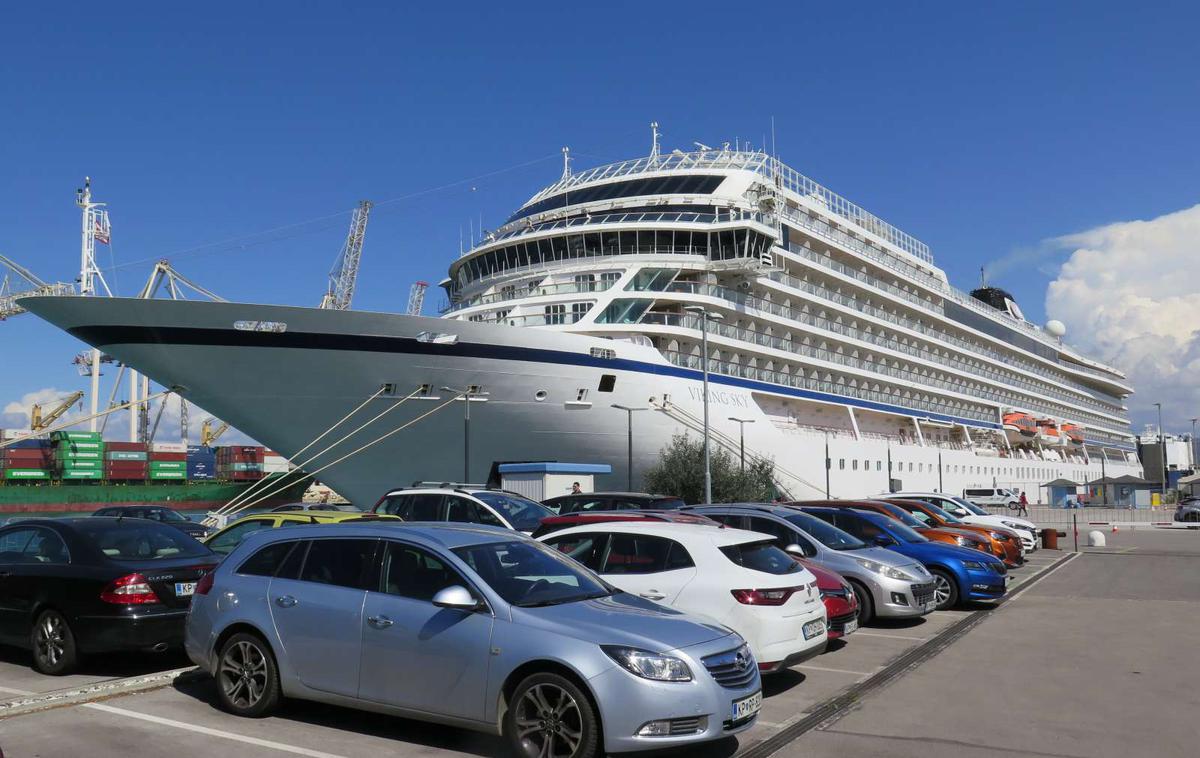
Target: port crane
[344, 273]
[416, 298]
[20, 282]
[209, 435]
[39, 419]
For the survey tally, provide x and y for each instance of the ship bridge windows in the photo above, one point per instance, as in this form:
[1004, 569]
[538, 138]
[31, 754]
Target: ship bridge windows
[677, 184]
[652, 280]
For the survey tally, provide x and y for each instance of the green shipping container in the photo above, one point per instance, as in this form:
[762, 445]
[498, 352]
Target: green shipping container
[81, 474]
[75, 447]
[26, 473]
[124, 455]
[168, 465]
[84, 436]
[83, 455]
[168, 475]
[80, 466]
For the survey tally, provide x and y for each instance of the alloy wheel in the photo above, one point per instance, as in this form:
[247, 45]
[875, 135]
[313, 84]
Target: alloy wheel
[941, 589]
[50, 639]
[548, 722]
[243, 674]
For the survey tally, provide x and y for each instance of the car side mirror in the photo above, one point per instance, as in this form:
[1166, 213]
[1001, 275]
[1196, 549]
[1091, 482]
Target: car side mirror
[794, 549]
[882, 540]
[456, 597]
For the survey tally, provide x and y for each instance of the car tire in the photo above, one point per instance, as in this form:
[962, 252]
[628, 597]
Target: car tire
[944, 587]
[866, 603]
[53, 643]
[551, 707]
[247, 677]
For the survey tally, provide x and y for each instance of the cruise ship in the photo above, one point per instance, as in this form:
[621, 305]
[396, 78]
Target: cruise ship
[835, 344]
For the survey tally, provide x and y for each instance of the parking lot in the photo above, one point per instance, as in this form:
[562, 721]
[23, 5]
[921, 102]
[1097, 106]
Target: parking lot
[93, 713]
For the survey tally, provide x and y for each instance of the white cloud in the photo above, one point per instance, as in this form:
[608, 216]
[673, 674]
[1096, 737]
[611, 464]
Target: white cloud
[16, 413]
[1130, 294]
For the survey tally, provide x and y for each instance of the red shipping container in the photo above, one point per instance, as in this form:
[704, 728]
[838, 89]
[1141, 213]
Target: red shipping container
[126, 466]
[24, 455]
[128, 447]
[168, 456]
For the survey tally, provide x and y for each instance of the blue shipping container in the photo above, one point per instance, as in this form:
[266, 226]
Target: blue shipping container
[28, 445]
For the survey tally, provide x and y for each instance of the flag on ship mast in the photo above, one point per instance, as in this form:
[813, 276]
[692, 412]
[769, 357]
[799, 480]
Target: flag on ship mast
[102, 233]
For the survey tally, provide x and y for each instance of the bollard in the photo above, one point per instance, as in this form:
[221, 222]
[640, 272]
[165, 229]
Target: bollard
[1095, 538]
[1050, 539]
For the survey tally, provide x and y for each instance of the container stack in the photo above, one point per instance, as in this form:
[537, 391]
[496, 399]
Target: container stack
[28, 459]
[168, 461]
[78, 455]
[274, 463]
[201, 462]
[240, 463]
[126, 461]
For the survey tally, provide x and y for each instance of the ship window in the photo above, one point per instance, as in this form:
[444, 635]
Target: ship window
[609, 278]
[854, 464]
[579, 310]
[607, 382]
[841, 463]
[555, 314]
[585, 282]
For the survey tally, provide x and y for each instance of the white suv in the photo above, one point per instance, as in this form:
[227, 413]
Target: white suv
[992, 496]
[738, 578]
[475, 505]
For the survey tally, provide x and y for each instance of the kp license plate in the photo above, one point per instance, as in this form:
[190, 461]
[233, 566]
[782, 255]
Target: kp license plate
[850, 627]
[930, 606]
[184, 589]
[747, 706]
[813, 629]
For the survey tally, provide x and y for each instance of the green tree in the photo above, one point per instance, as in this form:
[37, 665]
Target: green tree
[680, 472]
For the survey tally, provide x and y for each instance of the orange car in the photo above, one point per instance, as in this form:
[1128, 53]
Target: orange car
[954, 536]
[1006, 545]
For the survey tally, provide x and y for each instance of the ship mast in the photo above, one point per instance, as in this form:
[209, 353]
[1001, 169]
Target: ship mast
[94, 227]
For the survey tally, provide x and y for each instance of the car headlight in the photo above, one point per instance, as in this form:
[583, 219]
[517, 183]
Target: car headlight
[962, 541]
[998, 536]
[973, 564]
[660, 668]
[1014, 525]
[883, 570]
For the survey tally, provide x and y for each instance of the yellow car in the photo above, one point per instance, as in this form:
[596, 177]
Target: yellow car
[225, 540]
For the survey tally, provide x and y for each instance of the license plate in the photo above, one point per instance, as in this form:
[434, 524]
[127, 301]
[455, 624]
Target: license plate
[930, 606]
[813, 629]
[747, 706]
[184, 589]
[850, 627]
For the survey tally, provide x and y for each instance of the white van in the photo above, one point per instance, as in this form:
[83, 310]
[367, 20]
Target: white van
[992, 496]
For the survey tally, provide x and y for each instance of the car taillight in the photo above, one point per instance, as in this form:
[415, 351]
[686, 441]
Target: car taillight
[131, 589]
[205, 584]
[765, 597]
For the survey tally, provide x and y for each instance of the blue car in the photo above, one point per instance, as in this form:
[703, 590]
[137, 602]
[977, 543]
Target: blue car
[959, 574]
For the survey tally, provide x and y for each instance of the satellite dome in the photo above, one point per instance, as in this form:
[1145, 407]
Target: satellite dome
[1056, 328]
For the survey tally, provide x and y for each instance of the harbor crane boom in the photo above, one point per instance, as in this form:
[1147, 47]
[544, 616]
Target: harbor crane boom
[208, 435]
[39, 420]
[416, 298]
[345, 269]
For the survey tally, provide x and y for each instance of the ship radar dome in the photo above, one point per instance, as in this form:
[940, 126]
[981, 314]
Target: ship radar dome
[1056, 328]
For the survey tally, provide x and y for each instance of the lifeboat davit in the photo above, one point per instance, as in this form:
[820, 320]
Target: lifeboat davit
[1072, 433]
[1048, 433]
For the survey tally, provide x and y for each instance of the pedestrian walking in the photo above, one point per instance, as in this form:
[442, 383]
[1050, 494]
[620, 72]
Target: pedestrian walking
[1023, 505]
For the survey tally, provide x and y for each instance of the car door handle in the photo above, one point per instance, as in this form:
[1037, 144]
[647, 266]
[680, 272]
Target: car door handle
[286, 601]
[652, 595]
[380, 622]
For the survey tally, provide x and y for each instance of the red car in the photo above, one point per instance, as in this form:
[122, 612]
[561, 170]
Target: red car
[841, 606]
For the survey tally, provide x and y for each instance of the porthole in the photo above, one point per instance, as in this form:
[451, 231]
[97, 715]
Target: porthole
[540, 395]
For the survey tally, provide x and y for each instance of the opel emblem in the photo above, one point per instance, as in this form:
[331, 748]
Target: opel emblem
[740, 662]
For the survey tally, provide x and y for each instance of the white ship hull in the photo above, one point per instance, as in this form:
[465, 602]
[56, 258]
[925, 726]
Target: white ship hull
[287, 388]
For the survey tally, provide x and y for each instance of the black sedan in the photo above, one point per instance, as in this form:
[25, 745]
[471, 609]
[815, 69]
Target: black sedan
[72, 587]
[157, 513]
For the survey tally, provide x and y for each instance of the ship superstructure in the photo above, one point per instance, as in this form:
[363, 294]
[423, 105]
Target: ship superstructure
[842, 351]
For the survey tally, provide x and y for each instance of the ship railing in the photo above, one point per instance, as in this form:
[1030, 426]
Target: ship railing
[751, 301]
[521, 293]
[533, 319]
[801, 381]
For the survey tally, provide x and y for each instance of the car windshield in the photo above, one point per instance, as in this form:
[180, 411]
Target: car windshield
[971, 507]
[827, 534]
[140, 540]
[762, 556]
[900, 531]
[531, 575]
[941, 513]
[172, 516]
[904, 517]
[524, 514]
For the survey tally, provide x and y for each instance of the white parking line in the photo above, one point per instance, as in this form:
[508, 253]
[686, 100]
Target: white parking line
[804, 666]
[861, 633]
[210, 732]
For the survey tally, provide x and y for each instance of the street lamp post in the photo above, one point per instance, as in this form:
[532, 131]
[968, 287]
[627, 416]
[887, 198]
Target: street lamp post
[1162, 453]
[629, 414]
[1192, 447]
[470, 395]
[705, 316]
[742, 436]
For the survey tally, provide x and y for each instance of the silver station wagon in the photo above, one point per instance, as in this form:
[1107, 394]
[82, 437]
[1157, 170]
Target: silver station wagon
[470, 626]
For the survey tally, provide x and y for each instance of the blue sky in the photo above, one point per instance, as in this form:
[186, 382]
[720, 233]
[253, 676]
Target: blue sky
[982, 130]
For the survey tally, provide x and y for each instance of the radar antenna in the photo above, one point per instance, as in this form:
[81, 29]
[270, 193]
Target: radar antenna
[566, 151]
[345, 269]
[654, 142]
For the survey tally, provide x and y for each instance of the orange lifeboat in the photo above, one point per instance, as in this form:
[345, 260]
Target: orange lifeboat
[1072, 433]
[1048, 432]
[1020, 423]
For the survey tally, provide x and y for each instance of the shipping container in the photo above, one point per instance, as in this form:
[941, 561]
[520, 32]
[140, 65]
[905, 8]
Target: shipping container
[80, 475]
[157, 456]
[82, 455]
[125, 455]
[168, 447]
[168, 465]
[26, 473]
[155, 475]
[129, 447]
[20, 444]
[75, 447]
